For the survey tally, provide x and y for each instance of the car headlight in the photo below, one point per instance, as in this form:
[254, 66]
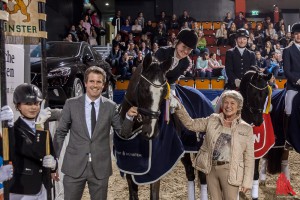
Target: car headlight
[62, 71]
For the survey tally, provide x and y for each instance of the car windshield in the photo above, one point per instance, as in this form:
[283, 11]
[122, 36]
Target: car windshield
[58, 49]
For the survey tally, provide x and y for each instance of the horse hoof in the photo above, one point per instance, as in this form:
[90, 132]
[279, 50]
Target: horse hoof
[262, 183]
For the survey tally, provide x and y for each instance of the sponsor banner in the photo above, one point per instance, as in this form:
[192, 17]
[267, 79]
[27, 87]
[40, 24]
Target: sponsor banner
[24, 19]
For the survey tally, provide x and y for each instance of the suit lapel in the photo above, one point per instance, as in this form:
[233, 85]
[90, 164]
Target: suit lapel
[296, 50]
[81, 112]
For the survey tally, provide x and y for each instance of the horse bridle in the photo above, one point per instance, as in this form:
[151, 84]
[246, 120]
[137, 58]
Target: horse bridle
[251, 108]
[146, 112]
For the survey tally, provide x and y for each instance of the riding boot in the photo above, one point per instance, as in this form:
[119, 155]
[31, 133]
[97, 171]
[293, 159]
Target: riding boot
[263, 172]
[286, 122]
[285, 169]
[203, 192]
[254, 191]
[191, 190]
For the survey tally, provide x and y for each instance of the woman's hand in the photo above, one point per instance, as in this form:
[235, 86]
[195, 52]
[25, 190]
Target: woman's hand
[132, 112]
[244, 190]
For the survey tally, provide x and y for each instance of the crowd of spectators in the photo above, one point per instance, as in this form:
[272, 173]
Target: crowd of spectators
[139, 36]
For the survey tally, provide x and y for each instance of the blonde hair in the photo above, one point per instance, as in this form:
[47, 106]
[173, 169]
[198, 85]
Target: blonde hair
[234, 95]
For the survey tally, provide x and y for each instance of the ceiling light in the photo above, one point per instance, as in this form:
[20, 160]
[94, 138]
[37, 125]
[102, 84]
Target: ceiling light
[107, 4]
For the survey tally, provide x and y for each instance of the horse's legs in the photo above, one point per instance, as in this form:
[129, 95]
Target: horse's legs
[203, 192]
[285, 164]
[255, 181]
[263, 171]
[154, 190]
[133, 188]
[190, 175]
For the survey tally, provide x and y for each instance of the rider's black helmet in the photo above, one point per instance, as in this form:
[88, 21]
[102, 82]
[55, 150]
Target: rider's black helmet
[188, 37]
[296, 27]
[242, 33]
[27, 93]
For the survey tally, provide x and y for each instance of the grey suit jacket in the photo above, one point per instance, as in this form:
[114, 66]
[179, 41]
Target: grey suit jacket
[80, 143]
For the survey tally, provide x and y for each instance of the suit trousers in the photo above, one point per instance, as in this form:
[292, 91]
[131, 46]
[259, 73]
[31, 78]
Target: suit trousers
[218, 186]
[74, 187]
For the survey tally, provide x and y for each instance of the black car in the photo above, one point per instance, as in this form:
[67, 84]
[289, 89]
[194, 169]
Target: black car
[66, 64]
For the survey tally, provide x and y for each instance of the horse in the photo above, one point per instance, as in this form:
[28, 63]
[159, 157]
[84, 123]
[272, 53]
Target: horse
[255, 89]
[146, 90]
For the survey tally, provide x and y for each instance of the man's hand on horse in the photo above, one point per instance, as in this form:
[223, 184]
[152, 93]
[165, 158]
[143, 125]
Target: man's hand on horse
[132, 112]
[174, 102]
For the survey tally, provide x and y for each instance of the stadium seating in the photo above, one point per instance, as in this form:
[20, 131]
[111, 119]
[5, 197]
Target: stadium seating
[122, 84]
[207, 25]
[202, 83]
[217, 84]
[216, 25]
[208, 32]
[186, 82]
[210, 40]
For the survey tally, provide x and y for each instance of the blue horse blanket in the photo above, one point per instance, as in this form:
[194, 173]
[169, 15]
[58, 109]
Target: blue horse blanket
[149, 160]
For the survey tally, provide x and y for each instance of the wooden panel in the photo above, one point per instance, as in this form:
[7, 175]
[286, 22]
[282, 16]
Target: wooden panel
[202, 83]
[207, 25]
[122, 84]
[187, 82]
[280, 83]
[217, 84]
[216, 25]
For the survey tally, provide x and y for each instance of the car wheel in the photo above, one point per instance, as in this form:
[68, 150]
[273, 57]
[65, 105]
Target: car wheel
[110, 91]
[78, 89]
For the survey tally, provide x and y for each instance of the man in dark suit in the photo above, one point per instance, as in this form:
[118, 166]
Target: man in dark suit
[88, 155]
[291, 66]
[238, 60]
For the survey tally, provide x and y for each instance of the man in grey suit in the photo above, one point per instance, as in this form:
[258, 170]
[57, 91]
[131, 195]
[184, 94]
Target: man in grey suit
[88, 156]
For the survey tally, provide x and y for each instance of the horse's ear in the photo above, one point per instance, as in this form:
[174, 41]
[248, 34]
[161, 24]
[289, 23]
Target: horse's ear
[147, 60]
[268, 77]
[166, 65]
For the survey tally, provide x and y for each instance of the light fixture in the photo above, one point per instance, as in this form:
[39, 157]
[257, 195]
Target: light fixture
[107, 4]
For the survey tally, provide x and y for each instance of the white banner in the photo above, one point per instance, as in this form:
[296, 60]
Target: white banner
[14, 59]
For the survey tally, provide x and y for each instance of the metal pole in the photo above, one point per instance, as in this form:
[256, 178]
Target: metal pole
[44, 72]
[5, 130]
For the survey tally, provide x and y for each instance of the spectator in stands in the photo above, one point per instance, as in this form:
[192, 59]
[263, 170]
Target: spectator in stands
[82, 33]
[144, 49]
[274, 41]
[259, 36]
[231, 34]
[125, 66]
[149, 30]
[285, 41]
[238, 60]
[118, 19]
[273, 66]
[218, 70]
[278, 49]
[146, 40]
[228, 20]
[129, 40]
[155, 47]
[137, 61]
[267, 51]
[251, 40]
[136, 29]
[69, 38]
[201, 44]
[277, 15]
[89, 14]
[172, 38]
[185, 25]
[278, 25]
[128, 17]
[246, 26]
[96, 23]
[185, 18]
[93, 37]
[86, 24]
[174, 24]
[131, 52]
[73, 32]
[202, 68]
[253, 47]
[126, 28]
[221, 35]
[164, 19]
[141, 19]
[266, 23]
[260, 61]
[270, 32]
[118, 41]
[114, 56]
[281, 32]
[160, 35]
[196, 27]
[240, 20]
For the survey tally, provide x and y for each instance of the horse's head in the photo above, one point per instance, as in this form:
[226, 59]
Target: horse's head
[150, 89]
[254, 89]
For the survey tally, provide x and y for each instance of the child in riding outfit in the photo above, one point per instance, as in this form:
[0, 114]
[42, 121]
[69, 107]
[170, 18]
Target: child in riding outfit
[30, 160]
[186, 42]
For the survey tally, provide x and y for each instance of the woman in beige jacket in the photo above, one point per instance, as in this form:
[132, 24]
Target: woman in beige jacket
[227, 153]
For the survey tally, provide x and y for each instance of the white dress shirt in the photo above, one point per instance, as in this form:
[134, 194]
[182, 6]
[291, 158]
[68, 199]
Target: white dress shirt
[88, 108]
